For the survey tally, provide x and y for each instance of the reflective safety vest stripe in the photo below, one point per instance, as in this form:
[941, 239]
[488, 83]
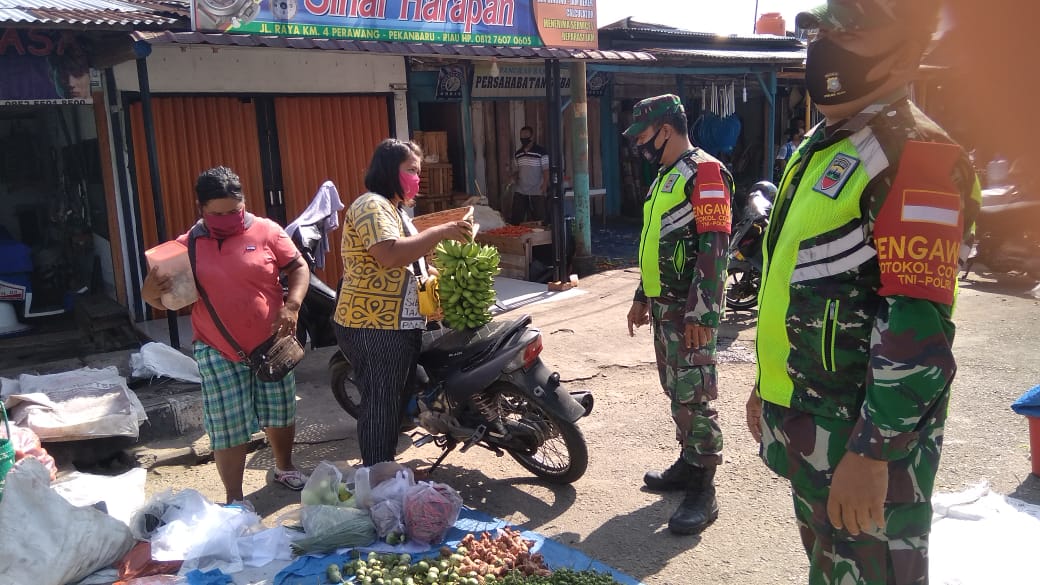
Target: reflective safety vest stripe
[667, 192]
[815, 208]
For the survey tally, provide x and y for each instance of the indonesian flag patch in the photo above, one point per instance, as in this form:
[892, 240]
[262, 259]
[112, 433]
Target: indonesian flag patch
[919, 230]
[710, 199]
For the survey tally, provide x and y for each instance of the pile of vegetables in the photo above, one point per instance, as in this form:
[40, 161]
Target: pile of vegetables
[485, 560]
[497, 556]
[467, 273]
[510, 231]
[328, 528]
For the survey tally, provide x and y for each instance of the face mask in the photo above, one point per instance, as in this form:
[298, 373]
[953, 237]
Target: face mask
[410, 184]
[837, 76]
[225, 226]
[648, 152]
[525, 141]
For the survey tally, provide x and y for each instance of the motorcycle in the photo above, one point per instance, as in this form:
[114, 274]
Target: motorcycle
[486, 387]
[744, 276]
[1007, 232]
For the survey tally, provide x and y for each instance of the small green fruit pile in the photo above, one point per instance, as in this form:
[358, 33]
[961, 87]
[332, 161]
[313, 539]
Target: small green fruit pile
[467, 277]
[394, 569]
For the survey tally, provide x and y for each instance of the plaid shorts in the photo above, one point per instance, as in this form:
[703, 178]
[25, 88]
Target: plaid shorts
[235, 404]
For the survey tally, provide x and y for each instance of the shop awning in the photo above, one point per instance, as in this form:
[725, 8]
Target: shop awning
[93, 13]
[385, 48]
[796, 57]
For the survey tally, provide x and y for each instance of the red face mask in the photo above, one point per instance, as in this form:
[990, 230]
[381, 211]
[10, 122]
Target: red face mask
[227, 225]
[410, 184]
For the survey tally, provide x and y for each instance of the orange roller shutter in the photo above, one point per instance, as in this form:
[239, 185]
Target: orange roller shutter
[324, 138]
[193, 134]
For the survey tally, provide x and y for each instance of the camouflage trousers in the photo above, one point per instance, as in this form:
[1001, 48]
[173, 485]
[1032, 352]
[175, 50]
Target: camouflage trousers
[806, 449]
[691, 383]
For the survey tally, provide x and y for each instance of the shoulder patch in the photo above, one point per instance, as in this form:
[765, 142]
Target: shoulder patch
[711, 204]
[920, 226]
[669, 183]
[837, 174]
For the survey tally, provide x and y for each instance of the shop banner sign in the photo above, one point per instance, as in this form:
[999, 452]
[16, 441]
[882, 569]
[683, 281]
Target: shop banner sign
[514, 81]
[42, 67]
[509, 23]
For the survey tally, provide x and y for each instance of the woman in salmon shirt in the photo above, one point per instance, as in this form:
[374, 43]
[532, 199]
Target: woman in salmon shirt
[239, 258]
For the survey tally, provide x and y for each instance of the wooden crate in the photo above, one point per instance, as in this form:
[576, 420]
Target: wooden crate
[436, 179]
[515, 252]
[434, 144]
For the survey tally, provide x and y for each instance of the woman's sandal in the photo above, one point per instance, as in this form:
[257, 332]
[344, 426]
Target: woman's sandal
[293, 479]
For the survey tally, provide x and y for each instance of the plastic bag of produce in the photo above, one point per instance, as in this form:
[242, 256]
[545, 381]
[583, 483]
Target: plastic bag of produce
[324, 487]
[328, 528]
[368, 478]
[430, 510]
[388, 517]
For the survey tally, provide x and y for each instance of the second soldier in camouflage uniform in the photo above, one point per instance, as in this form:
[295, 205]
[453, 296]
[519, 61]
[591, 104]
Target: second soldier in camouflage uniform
[682, 260]
[855, 310]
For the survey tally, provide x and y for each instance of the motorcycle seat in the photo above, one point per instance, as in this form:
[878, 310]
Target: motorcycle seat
[467, 347]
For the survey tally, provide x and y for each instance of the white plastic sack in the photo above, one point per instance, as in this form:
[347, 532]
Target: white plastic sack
[367, 478]
[122, 494]
[80, 404]
[48, 541]
[207, 536]
[159, 359]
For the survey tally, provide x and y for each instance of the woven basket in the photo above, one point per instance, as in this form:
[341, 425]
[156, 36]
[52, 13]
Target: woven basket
[428, 220]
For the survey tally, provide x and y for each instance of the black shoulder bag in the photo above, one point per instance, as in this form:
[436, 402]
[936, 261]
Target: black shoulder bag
[273, 359]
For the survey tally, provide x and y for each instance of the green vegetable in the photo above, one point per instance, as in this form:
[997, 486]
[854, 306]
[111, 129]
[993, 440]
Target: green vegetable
[334, 574]
[342, 527]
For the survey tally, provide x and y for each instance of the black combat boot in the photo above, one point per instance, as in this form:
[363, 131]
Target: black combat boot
[699, 508]
[673, 479]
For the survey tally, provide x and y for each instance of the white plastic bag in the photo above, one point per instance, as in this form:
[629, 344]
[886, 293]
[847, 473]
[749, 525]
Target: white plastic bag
[122, 494]
[367, 478]
[388, 517]
[323, 486]
[159, 359]
[80, 404]
[48, 541]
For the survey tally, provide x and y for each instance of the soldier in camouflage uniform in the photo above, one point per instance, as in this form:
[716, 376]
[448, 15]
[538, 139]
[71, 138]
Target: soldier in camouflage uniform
[683, 259]
[855, 323]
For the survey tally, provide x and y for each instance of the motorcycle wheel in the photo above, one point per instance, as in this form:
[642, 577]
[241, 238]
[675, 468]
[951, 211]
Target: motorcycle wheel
[563, 457]
[742, 289]
[344, 390]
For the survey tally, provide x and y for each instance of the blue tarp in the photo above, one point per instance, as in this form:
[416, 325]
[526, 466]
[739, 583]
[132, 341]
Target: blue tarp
[556, 555]
[1028, 404]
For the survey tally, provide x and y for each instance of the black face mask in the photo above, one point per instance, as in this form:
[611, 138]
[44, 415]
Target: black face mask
[837, 76]
[525, 141]
[648, 152]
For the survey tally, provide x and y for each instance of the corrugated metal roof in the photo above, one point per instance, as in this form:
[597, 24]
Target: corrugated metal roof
[629, 28]
[724, 56]
[390, 48]
[95, 13]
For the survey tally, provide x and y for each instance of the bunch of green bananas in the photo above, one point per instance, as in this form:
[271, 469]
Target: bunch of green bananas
[467, 277]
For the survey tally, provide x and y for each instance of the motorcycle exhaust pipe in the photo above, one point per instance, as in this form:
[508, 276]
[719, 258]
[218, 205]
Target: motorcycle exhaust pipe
[585, 399]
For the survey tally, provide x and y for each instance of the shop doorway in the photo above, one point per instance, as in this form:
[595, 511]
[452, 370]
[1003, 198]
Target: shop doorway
[55, 245]
[446, 117]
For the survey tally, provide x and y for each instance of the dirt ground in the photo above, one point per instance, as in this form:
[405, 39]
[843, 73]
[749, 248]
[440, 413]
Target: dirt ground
[607, 514]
